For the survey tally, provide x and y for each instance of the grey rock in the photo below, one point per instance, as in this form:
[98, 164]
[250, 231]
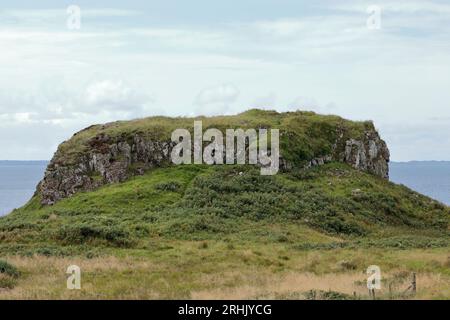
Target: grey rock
[369, 154]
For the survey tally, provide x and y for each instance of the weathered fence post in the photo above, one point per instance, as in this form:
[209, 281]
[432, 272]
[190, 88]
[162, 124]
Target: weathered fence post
[391, 296]
[372, 293]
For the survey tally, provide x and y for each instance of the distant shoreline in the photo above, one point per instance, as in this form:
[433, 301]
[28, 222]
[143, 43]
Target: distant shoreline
[23, 162]
[434, 162]
[409, 161]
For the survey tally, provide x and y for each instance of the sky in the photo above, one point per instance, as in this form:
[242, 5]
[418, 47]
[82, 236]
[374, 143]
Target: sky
[386, 61]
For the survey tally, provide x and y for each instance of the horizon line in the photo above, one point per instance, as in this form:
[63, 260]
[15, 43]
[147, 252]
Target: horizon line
[48, 160]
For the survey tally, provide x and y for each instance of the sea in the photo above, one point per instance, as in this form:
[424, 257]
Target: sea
[18, 180]
[431, 178]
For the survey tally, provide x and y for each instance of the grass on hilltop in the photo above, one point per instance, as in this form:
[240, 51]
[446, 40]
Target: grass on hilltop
[304, 135]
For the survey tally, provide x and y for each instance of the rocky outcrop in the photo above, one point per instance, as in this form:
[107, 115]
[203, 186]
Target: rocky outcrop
[369, 154]
[111, 160]
[106, 162]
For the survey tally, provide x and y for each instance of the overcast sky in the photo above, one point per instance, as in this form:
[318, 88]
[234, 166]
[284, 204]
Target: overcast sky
[139, 58]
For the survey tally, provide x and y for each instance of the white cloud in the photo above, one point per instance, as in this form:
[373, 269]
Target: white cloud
[424, 140]
[110, 98]
[113, 95]
[398, 6]
[265, 102]
[304, 103]
[283, 27]
[57, 15]
[216, 99]
[311, 104]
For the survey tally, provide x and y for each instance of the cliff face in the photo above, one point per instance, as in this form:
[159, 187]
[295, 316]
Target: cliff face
[369, 154]
[107, 161]
[109, 157]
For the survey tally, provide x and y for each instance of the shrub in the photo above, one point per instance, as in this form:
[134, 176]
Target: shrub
[347, 265]
[83, 232]
[172, 186]
[8, 269]
[203, 245]
[326, 295]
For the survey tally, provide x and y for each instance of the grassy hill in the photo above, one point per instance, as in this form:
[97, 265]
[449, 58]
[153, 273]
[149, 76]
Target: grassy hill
[197, 231]
[301, 207]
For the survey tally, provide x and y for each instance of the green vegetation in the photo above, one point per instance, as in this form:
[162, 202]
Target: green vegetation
[8, 275]
[197, 231]
[326, 207]
[304, 135]
[8, 269]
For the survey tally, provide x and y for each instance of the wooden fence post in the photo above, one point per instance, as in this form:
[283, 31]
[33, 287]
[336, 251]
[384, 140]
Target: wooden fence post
[391, 296]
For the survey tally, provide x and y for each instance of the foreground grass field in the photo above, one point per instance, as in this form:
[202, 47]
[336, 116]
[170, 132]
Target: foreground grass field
[223, 270]
[228, 232]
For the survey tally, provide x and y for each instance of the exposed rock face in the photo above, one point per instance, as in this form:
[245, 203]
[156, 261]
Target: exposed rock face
[106, 162]
[113, 160]
[370, 154]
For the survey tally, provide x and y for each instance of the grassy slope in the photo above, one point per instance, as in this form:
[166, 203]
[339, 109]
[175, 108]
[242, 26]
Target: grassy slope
[198, 232]
[329, 204]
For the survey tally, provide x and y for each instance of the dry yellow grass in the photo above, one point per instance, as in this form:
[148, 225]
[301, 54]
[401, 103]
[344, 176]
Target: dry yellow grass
[348, 283]
[208, 273]
[46, 278]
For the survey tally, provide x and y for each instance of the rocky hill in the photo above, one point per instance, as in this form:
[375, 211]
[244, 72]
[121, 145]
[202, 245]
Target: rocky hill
[114, 152]
[115, 185]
